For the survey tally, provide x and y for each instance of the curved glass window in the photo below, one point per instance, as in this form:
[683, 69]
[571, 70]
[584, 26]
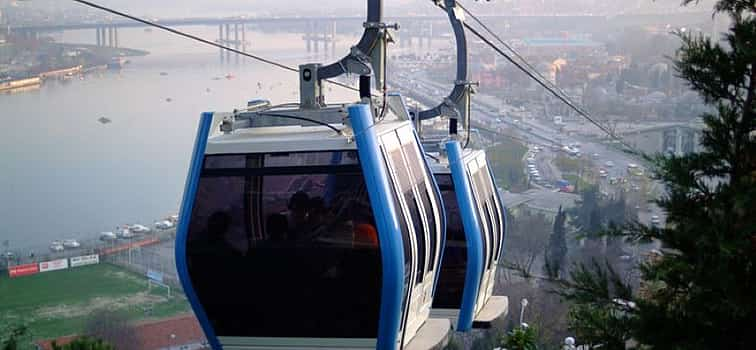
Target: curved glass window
[484, 191]
[406, 185]
[497, 211]
[424, 197]
[275, 237]
[483, 216]
[451, 281]
[405, 243]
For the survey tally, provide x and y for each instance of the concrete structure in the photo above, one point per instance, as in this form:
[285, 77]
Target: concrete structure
[237, 41]
[543, 201]
[320, 32]
[677, 138]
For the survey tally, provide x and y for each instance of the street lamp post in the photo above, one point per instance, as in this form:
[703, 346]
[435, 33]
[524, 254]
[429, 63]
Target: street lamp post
[523, 305]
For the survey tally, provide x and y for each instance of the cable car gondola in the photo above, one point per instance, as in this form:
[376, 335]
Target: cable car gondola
[476, 225]
[474, 211]
[297, 236]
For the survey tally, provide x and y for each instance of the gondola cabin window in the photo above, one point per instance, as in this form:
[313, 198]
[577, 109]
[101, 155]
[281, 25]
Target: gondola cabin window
[277, 236]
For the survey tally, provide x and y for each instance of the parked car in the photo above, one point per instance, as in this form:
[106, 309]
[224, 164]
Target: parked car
[125, 232]
[137, 228]
[57, 248]
[164, 225]
[107, 236]
[71, 243]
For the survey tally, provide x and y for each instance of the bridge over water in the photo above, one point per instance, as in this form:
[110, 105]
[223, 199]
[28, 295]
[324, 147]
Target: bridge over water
[321, 30]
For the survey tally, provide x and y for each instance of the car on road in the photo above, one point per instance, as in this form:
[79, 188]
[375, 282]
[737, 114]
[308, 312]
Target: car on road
[596, 156]
[655, 220]
[609, 164]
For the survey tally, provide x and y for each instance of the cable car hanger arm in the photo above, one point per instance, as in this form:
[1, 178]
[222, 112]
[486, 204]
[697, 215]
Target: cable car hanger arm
[457, 104]
[367, 56]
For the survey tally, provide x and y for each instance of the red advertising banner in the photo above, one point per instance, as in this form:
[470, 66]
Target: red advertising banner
[53, 265]
[23, 270]
[128, 246]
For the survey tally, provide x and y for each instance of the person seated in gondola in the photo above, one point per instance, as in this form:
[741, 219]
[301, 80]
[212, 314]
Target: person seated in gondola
[277, 228]
[365, 235]
[297, 216]
[215, 240]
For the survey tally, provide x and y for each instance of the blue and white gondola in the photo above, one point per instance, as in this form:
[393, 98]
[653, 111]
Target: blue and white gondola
[474, 211]
[304, 237]
[475, 231]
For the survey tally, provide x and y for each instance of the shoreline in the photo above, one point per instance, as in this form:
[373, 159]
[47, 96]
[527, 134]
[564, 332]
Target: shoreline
[100, 58]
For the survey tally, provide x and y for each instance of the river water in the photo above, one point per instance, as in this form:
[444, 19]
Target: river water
[65, 175]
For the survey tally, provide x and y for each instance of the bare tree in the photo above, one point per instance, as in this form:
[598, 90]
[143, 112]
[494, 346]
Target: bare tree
[114, 328]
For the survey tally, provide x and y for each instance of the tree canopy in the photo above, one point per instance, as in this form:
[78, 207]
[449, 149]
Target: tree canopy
[697, 292]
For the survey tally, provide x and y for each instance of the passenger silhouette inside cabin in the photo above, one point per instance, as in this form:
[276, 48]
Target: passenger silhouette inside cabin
[277, 227]
[297, 217]
[216, 240]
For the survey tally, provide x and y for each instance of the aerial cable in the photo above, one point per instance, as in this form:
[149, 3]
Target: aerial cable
[564, 99]
[533, 76]
[517, 54]
[508, 47]
[202, 40]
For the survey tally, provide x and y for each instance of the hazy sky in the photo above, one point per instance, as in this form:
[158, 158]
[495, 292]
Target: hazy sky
[197, 8]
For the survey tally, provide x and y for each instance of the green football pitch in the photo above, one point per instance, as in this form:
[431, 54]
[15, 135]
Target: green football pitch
[58, 303]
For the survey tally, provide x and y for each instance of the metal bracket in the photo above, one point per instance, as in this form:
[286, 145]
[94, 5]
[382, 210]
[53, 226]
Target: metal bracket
[357, 62]
[448, 108]
[380, 25]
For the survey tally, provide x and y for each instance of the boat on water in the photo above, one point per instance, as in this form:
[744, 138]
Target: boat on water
[13, 84]
[116, 63]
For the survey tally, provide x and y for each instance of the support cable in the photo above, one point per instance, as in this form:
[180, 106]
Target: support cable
[543, 84]
[202, 40]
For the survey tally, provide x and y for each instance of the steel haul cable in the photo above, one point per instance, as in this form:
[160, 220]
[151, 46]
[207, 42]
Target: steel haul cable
[202, 40]
[543, 84]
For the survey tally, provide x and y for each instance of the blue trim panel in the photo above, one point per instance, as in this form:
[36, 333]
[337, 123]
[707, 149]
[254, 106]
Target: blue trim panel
[185, 214]
[441, 208]
[472, 234]
[503, 212]
[390, 238]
